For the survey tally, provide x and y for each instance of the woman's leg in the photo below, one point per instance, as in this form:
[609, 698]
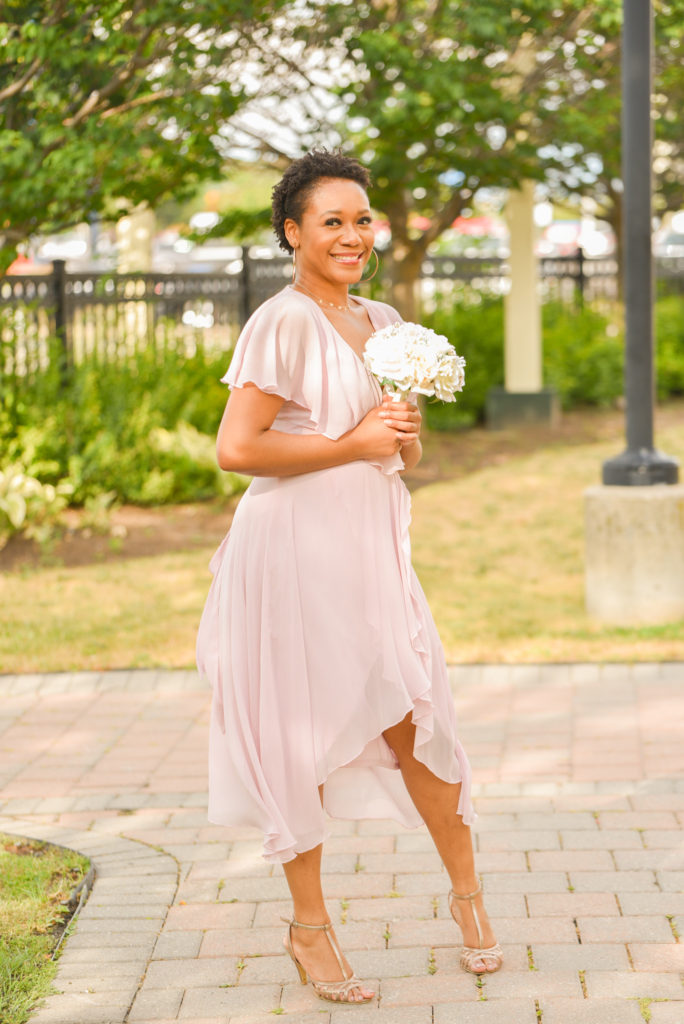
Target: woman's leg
[437, 804]
[312, 948]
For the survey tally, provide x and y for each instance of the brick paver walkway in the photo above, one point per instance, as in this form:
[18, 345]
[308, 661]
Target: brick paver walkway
[579, 776]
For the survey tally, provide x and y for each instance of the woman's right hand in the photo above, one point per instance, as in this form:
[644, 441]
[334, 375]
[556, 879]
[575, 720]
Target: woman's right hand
[373, 437]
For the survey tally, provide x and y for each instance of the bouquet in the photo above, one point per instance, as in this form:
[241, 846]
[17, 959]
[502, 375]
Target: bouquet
[406, 358]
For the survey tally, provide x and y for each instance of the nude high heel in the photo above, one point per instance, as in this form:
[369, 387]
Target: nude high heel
[471, 954]
[336, 991]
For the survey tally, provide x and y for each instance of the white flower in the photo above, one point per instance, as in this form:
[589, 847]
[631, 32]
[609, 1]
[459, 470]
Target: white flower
[406, 357]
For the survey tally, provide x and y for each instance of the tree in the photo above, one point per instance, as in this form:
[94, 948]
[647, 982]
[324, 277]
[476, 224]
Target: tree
[107, 106]
[585, 103]
[441, 99]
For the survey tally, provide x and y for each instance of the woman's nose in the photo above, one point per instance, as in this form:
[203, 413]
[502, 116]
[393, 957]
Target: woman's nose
[351, 235]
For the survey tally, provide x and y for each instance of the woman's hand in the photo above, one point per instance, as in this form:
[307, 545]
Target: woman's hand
[387, 429]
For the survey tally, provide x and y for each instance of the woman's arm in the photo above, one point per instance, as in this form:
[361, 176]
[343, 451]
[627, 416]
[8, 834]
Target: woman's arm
[411, 454]
[246, 442]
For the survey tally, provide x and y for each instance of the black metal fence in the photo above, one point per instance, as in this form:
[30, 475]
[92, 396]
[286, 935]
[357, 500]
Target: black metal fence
[104, 317]
[572, 279]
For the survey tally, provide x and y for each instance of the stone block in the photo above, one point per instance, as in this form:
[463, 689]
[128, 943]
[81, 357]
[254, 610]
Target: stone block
[522, 1011]
[590, 1011]
[635, 554]
[156, 1004]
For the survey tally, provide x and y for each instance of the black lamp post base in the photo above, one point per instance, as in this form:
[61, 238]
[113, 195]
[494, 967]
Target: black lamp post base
[641, 467]
[506, 409]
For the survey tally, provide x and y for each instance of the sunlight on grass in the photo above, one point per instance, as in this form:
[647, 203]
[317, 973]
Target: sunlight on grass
[499, 553]
[137, 613]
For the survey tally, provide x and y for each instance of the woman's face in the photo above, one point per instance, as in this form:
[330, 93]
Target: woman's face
[334, 239]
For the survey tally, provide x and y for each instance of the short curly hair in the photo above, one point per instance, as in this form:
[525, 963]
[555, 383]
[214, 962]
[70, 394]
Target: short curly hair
[290, 195]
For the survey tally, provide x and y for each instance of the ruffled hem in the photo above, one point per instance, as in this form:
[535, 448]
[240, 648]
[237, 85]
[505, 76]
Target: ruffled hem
[339, 666]
[384, 797]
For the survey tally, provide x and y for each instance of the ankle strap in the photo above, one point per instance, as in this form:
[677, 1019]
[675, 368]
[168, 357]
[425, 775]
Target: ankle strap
[468, 895]
[312, 927]
[333, 943]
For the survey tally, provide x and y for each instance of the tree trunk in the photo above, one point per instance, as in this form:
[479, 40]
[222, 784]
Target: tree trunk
[404, 275]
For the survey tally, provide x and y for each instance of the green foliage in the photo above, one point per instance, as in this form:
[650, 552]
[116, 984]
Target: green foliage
[240, 225]
[583, 355]
[443, 100]
[104, 106]
[476, 332]
[29, 506]
[141, 432]
[669, 330]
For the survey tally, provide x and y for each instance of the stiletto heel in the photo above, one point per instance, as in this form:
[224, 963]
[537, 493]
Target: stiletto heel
[471, 954]
[336, 991]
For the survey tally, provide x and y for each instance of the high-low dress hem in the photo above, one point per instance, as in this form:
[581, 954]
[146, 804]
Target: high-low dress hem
[316, 635]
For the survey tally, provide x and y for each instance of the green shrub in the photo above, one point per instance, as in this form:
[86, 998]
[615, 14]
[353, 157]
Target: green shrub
[29, 506]
[583, 355]
[476, 332]
[669, 331]
[141, 432]
[582, 360]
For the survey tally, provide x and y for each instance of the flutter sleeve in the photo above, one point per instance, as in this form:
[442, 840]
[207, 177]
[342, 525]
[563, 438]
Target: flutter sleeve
[272, 351]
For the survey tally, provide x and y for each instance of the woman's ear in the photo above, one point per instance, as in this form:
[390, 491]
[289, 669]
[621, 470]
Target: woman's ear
[291, 229]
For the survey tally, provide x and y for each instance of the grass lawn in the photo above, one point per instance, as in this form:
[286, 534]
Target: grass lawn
[500, 555]
[36, 881]
[499, 551]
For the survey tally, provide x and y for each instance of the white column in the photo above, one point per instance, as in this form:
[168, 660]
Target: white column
[134, 237]
[522, 308]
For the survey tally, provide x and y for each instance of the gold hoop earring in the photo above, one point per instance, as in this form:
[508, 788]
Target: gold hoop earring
[377, 265]
[294, 264]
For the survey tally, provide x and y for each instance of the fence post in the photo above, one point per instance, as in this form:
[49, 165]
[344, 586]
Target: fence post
[581, 278]
[245, 291]
[61, 333]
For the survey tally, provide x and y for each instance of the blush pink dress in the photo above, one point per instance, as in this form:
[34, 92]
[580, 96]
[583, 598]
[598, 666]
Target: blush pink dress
[316, 634]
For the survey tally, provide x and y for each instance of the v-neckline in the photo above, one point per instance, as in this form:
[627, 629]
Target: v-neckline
[357, 298]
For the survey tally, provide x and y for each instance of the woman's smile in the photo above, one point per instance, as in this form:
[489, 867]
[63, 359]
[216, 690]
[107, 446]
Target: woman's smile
[346, 257]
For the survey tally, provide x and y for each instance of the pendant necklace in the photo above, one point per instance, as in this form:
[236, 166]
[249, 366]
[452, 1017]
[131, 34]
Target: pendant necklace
[324, 302]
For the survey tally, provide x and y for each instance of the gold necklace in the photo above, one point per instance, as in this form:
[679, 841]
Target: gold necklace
[323, 302]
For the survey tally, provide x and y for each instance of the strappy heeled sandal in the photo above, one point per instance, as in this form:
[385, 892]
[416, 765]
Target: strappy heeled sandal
[336, 991]
[471, 954]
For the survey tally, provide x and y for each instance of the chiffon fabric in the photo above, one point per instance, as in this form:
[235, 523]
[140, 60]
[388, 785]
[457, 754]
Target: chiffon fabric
[316, 634]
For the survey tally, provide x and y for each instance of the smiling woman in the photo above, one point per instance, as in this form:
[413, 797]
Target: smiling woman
[329, 678]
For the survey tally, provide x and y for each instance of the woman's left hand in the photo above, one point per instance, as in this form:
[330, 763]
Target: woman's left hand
[402, 417]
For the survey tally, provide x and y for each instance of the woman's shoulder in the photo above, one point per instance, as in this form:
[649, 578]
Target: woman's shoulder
[287, 303]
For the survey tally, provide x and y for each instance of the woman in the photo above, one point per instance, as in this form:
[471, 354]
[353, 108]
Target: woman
[330, 685]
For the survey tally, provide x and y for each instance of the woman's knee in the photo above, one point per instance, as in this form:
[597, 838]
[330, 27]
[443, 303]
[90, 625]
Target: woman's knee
[401, 737]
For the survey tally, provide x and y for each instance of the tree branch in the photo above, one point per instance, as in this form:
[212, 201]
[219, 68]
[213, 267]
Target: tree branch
[264, 145]
[154, 97]
[535, 76]
[446, 218]
[98, 95]
[21, 83]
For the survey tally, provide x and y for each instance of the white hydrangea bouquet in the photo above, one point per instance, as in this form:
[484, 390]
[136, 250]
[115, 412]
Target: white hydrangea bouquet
[406, 357]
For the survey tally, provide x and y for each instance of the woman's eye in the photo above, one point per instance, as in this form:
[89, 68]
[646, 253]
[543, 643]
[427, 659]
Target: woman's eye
[333, 222]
